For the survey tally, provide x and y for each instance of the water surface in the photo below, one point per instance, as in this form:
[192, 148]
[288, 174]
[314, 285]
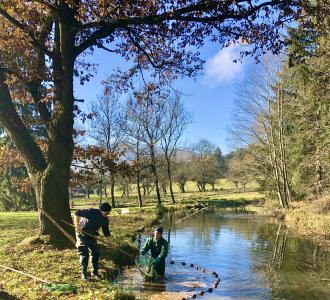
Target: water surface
[255, 258]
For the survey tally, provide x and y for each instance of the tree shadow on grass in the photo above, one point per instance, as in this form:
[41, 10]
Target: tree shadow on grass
[6, 296]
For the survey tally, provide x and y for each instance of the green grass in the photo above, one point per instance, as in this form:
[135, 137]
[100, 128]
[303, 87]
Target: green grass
[62, 266]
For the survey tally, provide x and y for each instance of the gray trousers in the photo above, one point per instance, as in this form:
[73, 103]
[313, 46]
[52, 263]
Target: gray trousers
[87, 246]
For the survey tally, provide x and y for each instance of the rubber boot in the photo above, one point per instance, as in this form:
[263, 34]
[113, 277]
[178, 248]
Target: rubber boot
[84, 276]
[95, 274]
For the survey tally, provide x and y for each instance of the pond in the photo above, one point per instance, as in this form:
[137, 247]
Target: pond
[255, 259]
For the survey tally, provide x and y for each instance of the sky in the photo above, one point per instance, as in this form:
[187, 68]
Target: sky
[208, 97]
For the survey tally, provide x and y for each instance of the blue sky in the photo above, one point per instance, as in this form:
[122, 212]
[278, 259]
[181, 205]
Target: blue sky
[209, 97]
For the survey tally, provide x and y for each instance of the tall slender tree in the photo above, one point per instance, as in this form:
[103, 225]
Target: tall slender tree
[107, 128]
[173, 125]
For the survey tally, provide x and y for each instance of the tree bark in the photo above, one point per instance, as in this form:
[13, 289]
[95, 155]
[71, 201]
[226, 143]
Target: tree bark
[49, 179]
[51, 192]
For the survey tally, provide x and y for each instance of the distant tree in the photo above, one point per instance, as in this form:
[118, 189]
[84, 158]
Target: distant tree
[107, 128]
[220, 162]
[147, 110]
[96, 163]
[259, 124]
[173, 125]
[182, 173]
[205, 168]
[136, 149]
[241, 168]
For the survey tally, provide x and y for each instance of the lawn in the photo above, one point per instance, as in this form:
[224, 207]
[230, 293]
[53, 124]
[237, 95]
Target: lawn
[62, 265]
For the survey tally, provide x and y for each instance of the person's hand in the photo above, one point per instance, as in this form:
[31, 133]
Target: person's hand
[77, 225]
[78, 228]
[156, 261]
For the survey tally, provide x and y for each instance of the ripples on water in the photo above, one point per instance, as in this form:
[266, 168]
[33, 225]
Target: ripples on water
[255, 260]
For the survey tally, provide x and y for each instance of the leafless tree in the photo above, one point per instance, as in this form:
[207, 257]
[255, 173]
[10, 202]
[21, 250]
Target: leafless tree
[258, 123]
[175, 121]
[147, 110]
[107, 128]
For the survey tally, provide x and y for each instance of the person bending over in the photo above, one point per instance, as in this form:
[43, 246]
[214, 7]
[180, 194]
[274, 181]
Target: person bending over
[87, 223]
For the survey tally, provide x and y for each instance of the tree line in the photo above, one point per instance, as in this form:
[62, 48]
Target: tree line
[130, 142]
[281, 118]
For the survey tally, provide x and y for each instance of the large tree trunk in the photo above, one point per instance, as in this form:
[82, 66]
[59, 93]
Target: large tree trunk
[154, 172]
[53, 197]
[49, 179]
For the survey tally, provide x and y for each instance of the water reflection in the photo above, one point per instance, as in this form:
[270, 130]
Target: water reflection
[254, 258]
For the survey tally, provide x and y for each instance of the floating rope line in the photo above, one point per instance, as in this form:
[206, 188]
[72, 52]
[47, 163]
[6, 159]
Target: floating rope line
[188, 216]
[203, 270]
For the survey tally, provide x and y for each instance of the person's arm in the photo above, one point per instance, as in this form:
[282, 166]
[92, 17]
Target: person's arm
[146, 247]
[163, 253]
[105, 229]
[76, 219]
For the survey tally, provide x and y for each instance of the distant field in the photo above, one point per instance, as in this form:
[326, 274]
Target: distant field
[224, 190]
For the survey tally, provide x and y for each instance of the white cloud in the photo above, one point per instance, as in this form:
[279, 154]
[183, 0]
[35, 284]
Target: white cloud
[221, 68]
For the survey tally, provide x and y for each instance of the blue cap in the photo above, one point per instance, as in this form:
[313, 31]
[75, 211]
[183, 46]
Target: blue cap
[159, 229]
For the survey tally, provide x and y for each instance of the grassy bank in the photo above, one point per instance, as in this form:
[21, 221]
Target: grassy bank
[307, 218]
[62, 266]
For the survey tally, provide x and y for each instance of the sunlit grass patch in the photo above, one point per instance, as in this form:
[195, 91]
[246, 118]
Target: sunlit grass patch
[61, 266]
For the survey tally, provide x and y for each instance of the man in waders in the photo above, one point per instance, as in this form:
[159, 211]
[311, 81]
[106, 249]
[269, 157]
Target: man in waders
[87, 223]
[158, 247]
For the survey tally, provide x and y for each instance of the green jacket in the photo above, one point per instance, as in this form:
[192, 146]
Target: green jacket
[158, 249]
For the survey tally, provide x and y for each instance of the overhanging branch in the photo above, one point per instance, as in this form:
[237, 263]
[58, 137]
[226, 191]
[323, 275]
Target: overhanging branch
[104, 29]
[31, 153]
[21, 26]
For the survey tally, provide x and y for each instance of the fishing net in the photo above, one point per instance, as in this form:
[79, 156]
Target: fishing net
[145, 266]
